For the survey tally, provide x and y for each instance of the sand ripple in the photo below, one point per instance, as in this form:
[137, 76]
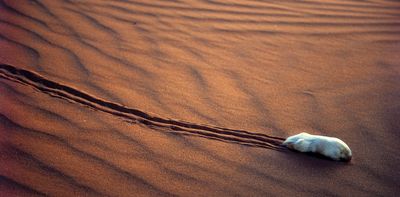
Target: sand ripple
[192, 97]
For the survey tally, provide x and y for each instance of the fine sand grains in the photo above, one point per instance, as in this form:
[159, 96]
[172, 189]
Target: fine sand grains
[193, 97]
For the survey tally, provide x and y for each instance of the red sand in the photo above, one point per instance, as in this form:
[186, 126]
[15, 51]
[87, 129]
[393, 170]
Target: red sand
[77, 77]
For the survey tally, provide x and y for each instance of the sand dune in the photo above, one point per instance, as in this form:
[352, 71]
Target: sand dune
[193, 98]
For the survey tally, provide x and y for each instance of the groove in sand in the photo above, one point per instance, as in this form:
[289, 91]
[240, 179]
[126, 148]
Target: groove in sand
[68, 93]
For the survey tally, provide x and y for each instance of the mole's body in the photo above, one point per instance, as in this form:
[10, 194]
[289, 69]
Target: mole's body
[330, 147]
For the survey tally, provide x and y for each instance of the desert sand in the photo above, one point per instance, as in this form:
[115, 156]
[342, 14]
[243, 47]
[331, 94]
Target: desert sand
[194, 97]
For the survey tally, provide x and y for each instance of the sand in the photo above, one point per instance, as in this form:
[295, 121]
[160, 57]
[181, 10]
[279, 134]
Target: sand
[193, 98]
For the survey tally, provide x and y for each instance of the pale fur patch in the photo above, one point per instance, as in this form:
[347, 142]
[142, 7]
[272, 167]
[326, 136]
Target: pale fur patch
[330, 147]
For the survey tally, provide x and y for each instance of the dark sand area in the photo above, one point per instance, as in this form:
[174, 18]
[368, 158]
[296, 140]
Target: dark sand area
[194, 97]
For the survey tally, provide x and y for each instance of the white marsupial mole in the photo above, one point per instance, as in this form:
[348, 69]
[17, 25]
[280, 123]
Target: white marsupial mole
[330, 147]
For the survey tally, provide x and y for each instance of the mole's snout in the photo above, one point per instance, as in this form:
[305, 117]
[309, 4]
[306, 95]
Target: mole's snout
[346, 159]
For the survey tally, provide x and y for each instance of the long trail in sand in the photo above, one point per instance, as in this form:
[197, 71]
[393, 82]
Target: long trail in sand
[65, 92]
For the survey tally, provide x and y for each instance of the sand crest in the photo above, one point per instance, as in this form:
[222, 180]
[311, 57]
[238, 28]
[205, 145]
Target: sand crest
[194, 98]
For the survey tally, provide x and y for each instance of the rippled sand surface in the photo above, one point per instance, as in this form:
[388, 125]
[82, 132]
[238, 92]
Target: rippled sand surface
[194, 97]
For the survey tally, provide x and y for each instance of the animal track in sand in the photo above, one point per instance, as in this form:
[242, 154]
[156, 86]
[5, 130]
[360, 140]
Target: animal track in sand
[58, 90]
